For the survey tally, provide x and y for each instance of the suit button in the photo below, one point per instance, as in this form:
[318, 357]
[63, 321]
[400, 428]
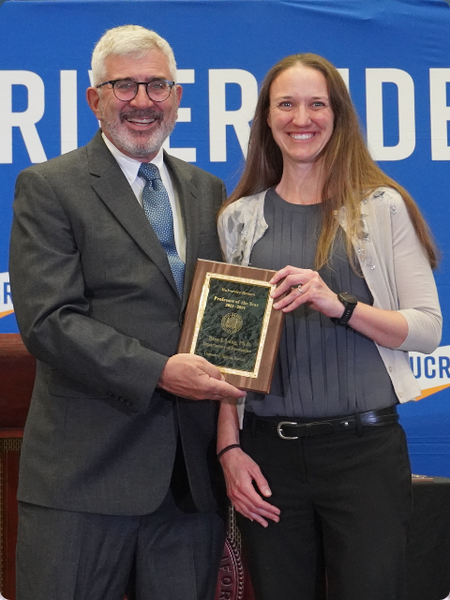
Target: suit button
[125, 401]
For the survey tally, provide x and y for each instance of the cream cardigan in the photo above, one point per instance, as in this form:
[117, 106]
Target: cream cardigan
[392, 261]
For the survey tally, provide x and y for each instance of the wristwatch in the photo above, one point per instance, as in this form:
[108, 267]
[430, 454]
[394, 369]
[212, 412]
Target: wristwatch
[349, 301]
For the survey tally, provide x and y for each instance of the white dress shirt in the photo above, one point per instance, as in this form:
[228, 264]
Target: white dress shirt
[130, 168]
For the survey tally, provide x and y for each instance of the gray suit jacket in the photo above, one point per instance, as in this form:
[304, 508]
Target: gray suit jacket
[96, 304]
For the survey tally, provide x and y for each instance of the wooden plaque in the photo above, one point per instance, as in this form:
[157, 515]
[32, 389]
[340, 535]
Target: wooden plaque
[231, 323]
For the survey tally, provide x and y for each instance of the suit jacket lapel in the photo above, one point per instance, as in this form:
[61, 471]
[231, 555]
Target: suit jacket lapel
[114, 190]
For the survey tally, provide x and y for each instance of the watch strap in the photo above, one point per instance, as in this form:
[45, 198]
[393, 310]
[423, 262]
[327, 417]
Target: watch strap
[349, 307]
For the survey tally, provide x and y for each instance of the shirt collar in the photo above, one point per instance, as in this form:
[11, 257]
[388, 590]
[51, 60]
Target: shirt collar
[130, 166]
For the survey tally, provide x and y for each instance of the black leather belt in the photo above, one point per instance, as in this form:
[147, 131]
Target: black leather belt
[293, 429]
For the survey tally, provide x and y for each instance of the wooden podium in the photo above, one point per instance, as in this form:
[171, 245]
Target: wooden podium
[17, 372]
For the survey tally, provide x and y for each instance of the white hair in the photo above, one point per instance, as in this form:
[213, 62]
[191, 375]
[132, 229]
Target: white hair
[128, 40]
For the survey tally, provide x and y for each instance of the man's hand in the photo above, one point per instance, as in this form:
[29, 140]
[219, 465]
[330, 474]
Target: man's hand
[193, 377]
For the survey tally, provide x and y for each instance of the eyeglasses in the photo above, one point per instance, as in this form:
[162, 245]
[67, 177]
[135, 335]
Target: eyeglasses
[157, 90]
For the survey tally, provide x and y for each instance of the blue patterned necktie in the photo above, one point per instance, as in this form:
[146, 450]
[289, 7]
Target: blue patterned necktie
[158, 211]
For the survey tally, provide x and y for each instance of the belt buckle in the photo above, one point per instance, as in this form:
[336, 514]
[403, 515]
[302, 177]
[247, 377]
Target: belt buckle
[280, 432]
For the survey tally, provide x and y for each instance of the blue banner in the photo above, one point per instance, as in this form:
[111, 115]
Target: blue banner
[393, 54]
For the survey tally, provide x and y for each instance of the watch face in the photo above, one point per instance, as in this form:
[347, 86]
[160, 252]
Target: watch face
[347, 298]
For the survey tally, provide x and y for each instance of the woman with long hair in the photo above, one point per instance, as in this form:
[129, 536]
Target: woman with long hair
[319, 472]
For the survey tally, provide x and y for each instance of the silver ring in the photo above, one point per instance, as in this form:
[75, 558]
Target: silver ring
[299, 288]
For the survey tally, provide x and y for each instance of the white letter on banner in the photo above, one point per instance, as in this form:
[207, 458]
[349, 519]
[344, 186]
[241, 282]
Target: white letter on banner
[345, 74]
[25, 120]
[184, 116]
[440, 114]
[219, 117]
[406, 115]
[69, 115]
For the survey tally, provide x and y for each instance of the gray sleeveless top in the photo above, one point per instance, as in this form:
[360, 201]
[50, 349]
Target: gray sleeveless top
[322, 369]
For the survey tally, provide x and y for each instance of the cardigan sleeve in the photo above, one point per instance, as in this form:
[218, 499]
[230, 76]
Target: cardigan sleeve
[399, 273]
[416, 287]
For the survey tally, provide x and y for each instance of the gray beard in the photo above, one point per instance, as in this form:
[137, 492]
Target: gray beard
[131, 143]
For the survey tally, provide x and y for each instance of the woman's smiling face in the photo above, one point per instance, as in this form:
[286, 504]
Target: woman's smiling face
[300, 115]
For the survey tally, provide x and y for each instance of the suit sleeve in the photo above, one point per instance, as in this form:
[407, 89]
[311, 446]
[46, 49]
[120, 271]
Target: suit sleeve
[53, 310]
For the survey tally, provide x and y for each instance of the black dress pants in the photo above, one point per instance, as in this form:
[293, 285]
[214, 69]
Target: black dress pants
[345, 504]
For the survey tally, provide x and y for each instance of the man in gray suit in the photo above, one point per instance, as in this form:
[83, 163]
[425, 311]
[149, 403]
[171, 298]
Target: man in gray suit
[118, 458]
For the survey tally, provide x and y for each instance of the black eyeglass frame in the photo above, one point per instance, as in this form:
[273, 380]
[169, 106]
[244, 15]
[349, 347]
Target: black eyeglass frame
[113, 82]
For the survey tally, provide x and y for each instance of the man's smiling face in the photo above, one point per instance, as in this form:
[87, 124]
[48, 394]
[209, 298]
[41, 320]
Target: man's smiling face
[137, 127]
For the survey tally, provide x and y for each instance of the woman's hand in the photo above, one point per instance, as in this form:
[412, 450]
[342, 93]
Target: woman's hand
[240, 472]
[387, 328]
[305, 286]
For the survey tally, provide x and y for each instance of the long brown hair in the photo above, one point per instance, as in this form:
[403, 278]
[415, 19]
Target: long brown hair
[350, 172]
